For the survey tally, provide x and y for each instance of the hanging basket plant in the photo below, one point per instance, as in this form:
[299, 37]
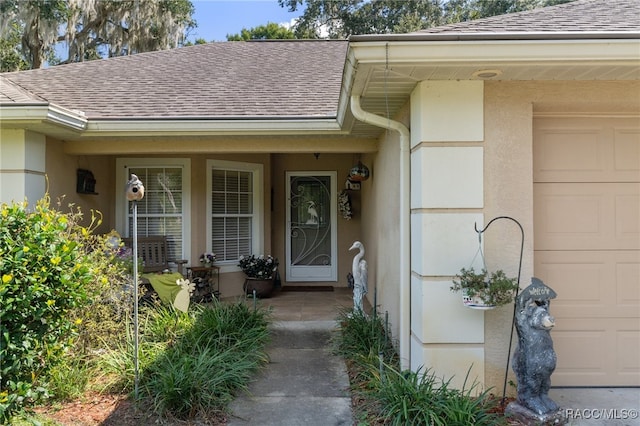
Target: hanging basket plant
[483, 290]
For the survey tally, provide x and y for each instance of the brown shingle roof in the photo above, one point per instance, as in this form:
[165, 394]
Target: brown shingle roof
[265, 79]
[577, 16]
[12, 93]
[228, 79]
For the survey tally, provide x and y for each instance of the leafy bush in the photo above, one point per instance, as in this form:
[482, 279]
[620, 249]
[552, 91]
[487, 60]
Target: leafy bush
[49, 271]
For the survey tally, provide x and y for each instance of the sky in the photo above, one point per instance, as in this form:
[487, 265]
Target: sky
[217, 18]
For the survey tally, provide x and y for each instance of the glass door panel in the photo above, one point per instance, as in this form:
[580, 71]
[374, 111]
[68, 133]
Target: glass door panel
[311, 226]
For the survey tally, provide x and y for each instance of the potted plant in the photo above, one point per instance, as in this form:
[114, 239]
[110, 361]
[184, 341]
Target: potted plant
[483, 290]
[207, 259]
[260, 271]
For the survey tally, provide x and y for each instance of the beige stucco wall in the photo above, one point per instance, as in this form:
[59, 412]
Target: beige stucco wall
[508, 110]
[381, 224]
[508, 178]
[22, 166]
[61, 179]
[505, 152]
[446, 201]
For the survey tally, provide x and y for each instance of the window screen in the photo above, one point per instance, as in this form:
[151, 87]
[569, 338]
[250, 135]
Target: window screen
[160, 212]
[232, 213]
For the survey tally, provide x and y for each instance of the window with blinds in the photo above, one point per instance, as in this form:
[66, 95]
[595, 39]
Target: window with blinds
[160, 212]
[234, 209]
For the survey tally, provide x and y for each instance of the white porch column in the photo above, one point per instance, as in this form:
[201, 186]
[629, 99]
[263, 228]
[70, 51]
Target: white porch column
[447, 130]
[22, 166]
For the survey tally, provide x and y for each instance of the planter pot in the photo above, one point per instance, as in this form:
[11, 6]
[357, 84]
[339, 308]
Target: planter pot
[263, 287]
[475, 302]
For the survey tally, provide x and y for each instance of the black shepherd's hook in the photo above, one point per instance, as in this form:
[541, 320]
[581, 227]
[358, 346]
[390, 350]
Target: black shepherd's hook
[513, 318]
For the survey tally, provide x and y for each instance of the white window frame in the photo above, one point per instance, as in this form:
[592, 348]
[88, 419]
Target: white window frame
[122, 205]
[257, 238]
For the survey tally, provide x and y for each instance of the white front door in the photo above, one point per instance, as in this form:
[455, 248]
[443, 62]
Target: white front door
[311, 226]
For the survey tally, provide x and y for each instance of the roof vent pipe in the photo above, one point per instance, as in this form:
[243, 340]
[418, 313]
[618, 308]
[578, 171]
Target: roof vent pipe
[405, 222]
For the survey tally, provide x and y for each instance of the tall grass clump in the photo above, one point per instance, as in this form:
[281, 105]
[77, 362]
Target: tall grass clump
[191, 363]
[363, 337]
[421, 398]
[51, 268]
[393, 396]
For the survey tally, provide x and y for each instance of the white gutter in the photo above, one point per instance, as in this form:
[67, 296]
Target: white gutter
[199, 126]
[405, 222]
[45, 113]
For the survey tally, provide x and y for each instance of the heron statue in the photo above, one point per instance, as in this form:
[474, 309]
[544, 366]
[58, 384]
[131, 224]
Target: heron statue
[359, 272]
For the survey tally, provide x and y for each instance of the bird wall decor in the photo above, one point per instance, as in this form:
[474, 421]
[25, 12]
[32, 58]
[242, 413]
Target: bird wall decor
[313, 214]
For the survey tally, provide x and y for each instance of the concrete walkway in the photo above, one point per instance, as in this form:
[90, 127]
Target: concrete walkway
[303, 384]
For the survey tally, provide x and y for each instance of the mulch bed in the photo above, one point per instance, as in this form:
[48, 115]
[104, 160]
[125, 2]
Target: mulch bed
[96, 409]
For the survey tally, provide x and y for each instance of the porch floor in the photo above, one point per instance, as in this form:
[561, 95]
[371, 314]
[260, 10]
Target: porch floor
[302, 305]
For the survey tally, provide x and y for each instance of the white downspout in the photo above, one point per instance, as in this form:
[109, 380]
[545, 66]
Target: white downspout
[405, 222]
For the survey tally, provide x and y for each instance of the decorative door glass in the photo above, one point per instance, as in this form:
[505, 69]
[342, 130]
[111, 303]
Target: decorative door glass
[311, 242]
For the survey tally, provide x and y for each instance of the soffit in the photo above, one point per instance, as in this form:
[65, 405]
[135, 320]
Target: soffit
[388, 72]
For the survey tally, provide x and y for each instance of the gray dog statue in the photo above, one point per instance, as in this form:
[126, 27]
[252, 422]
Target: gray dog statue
[534, 359]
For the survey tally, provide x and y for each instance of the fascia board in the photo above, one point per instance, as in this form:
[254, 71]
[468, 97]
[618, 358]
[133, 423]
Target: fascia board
[502, 51]
[199, 127]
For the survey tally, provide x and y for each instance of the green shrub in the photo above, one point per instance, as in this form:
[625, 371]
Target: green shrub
[49, 270]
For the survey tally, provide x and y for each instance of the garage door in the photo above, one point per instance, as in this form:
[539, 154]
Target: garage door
[587, 245]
